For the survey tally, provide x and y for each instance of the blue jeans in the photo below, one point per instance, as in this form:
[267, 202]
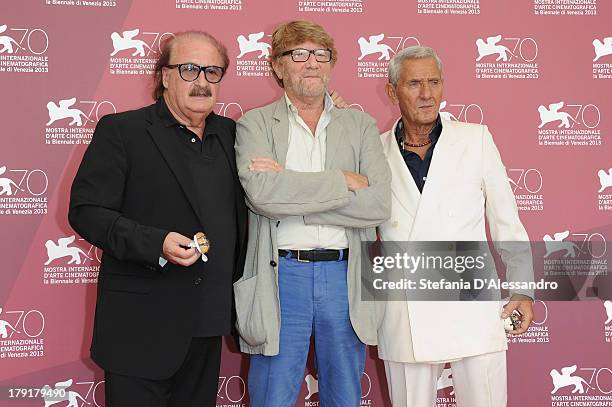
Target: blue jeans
[313, 301]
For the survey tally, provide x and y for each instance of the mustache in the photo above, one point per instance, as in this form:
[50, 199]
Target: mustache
[198, 90]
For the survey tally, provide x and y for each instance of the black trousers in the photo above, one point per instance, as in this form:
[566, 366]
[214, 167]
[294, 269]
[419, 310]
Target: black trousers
[194, 384]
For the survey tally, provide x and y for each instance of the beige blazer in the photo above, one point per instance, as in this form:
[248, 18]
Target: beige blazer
[322, 198]
[466, 182]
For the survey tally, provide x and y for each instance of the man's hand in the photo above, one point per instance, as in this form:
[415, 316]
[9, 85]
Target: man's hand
[175, 251]
[337, 100]
[264, 165]
[524, 305]
[355, 181]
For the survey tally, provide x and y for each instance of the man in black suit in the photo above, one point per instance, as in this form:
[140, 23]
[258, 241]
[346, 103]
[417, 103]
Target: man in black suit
[150, 179]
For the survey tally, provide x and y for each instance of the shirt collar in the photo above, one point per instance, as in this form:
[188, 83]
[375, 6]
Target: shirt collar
[329, 104]
[212, 120]
[164, 113]
[434, 134]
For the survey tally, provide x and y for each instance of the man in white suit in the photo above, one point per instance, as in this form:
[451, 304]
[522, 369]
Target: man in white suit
[446, 177]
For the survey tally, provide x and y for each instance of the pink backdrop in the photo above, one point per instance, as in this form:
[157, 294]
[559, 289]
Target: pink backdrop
[53, 51]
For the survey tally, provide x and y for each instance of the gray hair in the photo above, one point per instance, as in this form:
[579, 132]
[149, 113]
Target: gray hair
[415, 52]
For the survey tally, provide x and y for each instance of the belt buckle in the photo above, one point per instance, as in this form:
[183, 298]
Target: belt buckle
[301, 260]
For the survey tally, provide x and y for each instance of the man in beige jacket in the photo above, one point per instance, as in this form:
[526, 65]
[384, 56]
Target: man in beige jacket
[317, 184]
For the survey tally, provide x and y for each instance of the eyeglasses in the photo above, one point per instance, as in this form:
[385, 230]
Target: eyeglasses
[189, 72]
[302, 54]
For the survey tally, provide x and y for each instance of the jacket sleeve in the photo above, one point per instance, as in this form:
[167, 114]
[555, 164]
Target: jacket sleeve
[96, 197]
[371, 206]
[507, 231]
[286, 193]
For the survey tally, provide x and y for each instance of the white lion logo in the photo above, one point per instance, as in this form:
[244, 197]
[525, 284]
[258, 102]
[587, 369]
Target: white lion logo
[446, 115]
[253, 45]
[608, 307]
[63, 111]
[602, 48]
[605, 179]
[7, 42]
[3, 328]
[372, 46]
[126, 41]
[312, 385]
[565, 379]
[553, 114]
[54, 395]
[61, 249]
[557, 245]
[446, 380]
[7, 184]
[491, 47]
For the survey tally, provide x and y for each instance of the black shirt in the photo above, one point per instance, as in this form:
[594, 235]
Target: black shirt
[212, 175]
[418, 168]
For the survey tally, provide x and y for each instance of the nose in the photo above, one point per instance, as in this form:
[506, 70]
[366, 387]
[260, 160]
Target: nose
[201, 81]
[311, 62]
[425, 90]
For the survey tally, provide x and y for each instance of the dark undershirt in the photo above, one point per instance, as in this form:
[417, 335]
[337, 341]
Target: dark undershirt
[418, 167]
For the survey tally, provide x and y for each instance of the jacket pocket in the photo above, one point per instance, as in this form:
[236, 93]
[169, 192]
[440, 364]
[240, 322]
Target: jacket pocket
[249, 316]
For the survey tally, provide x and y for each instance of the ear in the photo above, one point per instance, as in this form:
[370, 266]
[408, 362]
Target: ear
[165, 76]
[390, 90]
[277, 67]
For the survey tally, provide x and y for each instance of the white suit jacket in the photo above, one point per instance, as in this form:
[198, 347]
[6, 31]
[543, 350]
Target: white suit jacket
[466, 182]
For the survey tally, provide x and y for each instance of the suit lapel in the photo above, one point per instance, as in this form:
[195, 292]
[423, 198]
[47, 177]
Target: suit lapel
[445, 162]
[227, 143]
[165, 144]
[280, 131]
[402, 183]
[335, 136]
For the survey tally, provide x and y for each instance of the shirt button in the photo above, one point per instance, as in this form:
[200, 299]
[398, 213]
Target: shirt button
[272, 263]
[197, 281]
[193, 140]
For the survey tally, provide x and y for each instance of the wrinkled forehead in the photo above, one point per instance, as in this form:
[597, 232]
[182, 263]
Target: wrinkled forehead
[420, 69]
[194, 49]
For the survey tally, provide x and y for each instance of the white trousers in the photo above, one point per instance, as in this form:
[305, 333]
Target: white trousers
[479, 381]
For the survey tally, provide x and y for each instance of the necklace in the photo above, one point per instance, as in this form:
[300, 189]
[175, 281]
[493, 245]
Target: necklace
[405, 143]
[402, 141]
[415, 145]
